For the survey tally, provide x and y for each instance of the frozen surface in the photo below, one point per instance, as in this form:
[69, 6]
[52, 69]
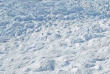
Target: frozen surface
[54, 37]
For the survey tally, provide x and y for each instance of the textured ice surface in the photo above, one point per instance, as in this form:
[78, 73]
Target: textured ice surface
[54, 37]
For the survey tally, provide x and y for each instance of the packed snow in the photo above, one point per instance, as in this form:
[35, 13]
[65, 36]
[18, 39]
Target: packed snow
[54, 37]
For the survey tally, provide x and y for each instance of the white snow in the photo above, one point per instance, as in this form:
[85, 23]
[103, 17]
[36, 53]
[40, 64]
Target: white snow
[54, 37]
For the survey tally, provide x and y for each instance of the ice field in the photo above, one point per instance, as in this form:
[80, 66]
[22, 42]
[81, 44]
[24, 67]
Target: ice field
[54, 36]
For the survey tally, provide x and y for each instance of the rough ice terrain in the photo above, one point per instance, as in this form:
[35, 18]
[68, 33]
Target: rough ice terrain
[54, 36]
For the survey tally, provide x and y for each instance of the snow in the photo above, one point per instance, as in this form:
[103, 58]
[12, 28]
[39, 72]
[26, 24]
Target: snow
[54, 37]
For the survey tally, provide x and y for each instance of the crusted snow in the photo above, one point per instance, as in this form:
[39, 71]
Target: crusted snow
[54, 37]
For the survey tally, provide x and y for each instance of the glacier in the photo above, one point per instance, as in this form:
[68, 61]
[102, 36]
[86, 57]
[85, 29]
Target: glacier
[54, 37]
